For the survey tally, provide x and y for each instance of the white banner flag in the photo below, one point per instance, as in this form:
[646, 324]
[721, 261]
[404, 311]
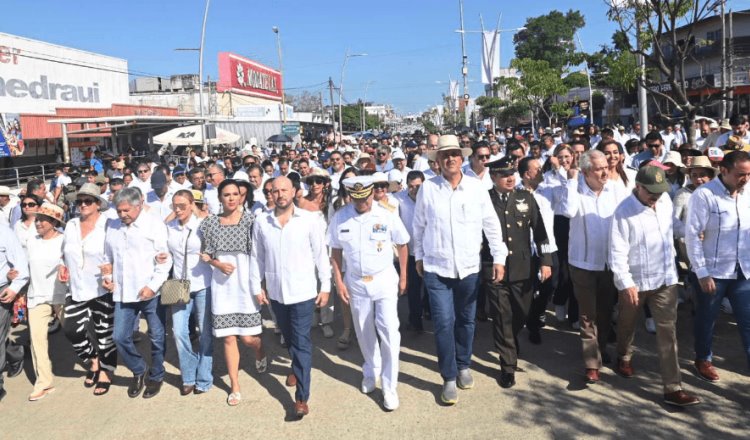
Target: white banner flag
[453, 90]
[490, 57]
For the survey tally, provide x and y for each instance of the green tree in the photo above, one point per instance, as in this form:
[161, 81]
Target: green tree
[550, 38]
[491, 107]
[352, 114]
[576, 79]
[536, 88]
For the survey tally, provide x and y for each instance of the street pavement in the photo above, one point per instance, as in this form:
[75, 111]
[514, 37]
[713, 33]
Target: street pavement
[550, 400]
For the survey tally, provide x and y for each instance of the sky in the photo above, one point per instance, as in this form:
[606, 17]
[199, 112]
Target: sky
[411, 45]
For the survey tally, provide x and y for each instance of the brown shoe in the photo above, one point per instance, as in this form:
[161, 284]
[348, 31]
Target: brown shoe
[186, 389]
[681, 398]
[301, 409]
[291, 380]
[706, 371]
[625, 368]
[592, 375]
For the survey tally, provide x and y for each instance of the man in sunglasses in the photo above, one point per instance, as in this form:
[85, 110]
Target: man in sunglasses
[381, 194]
[480, 155]
[655, 150]
[383, 159]
[337, 167]
[143, 179]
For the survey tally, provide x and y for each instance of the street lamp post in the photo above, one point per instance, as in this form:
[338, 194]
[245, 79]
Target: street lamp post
[364, 103]
[588, 77]
[281, 72]
[341, 87]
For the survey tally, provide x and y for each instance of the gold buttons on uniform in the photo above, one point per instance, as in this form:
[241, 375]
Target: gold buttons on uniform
[510, 238]
[510, 252]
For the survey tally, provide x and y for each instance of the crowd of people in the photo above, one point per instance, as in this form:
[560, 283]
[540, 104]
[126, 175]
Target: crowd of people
[469, 227]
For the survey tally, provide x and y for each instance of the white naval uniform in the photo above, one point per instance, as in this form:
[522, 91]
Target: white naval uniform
[366, 241]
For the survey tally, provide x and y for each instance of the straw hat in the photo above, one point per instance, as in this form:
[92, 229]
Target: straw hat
[702, 162]
[53, 212]
[447, 142]
[317, 172]
[90, 189]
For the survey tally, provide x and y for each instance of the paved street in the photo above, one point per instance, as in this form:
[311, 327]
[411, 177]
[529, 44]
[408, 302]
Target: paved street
[550, 400]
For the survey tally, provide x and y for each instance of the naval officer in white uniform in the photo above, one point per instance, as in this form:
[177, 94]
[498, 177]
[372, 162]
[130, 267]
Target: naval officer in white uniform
[364, 237]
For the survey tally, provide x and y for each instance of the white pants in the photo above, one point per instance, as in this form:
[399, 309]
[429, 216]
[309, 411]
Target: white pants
[373, 319]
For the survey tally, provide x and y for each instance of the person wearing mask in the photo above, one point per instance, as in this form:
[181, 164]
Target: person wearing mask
[131, 246]
[449, 217]
[589, 203]
[46, 293]
[184, 242]
[716, 237]
[288, 258]
[227, 244]
[89, 309]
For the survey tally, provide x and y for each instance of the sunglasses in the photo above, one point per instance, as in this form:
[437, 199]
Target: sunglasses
[483, 156]
[85, 202]
[100, 184]
[381, 153]
[317, 181]
[142, 171]
[452, 153]
[29, 205]
[654, 145]
[249, 164]
[381, 185]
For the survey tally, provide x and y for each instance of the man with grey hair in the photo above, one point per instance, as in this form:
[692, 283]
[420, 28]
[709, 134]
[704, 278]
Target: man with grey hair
[134, 276]
[589, 202]
[214, 176]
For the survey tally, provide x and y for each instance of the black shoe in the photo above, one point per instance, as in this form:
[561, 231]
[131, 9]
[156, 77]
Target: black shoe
[197, 391]
[136, 386]
[507, 380]
[535, 337]
[605, 357]
[15, 368]
[152, 389]
[2, 394]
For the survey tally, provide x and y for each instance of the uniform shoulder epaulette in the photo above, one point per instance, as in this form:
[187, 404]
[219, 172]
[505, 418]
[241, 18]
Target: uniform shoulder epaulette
[388, 206]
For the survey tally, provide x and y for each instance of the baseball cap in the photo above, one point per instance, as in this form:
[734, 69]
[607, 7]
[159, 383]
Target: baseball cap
[653, 179]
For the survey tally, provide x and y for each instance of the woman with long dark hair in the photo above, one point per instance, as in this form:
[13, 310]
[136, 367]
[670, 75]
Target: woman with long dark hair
[616, 170]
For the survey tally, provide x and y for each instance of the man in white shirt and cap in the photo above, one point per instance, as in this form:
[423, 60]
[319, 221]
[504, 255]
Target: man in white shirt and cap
[642, 258]
[7, 203]
[451, 213]
[363, 236]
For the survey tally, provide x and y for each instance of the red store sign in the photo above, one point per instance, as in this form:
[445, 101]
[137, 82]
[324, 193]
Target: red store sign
[241, 75]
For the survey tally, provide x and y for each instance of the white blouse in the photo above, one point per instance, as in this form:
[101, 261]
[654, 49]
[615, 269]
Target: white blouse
[24, 233]
[83, 258]
[198, 272]
[44, 258]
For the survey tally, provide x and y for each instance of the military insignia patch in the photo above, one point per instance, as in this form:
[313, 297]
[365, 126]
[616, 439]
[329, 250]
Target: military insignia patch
[522, 206]
[658, 178]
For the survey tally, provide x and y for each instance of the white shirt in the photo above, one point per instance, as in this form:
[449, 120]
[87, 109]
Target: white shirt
[44, 258]
[722, 140]
[12, 256]
[406, 212]
[174, 186]
[448, 226]
[421, 163]
[158, 207]
[145, 187]
[211, 198]
[724, 222]
[6, 212]
[132, 251]
[287, 257]
[548, 217]
[83, 258]
[590, 221]
[198, 272]
[485, 179]
[366, 240]
[641, 252]
[24, 233]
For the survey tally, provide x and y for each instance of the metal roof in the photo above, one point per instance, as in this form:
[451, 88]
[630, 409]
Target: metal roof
[134, 118]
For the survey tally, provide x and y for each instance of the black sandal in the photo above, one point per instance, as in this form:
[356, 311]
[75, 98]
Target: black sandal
[92, 377]
[104, 386]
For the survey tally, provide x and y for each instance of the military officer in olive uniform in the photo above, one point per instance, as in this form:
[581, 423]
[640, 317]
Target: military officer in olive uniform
[511, 298]
[363, 236]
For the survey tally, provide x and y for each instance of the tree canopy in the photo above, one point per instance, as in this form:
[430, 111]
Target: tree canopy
[551, 38]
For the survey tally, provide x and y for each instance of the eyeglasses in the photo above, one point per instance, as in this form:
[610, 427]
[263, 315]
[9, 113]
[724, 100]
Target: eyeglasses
[452, 153]
[381, 185]
[654, 145]
[266, 192]
[100, 184]
[143, 171]
[249, 164]
[483, 156]
[180, 206]
[381, 153]
[85, 202]
[29, 205]
[317, 181]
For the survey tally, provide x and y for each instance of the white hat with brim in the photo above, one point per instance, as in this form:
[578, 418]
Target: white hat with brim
[90, 189]
[674, 158]
[4, 191]
[702, 162]
[447, 142]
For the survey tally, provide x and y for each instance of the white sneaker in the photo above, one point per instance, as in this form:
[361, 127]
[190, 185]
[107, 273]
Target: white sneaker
[368, 385]
[576, 325]
[650, 325]
[560, 314]
[390, 400]
[726, 306]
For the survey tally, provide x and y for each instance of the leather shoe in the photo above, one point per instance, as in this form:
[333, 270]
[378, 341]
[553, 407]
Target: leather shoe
[592, 375]
[2, 394]
[291, 380]
[301, 409]
[198, 391]
[152, 389]
[507, 380]
[136, 386]
[706, 371]
[15, 368]
[625, 369]
[605, 357]
[535, 337]
[681, 398]
[187, 389]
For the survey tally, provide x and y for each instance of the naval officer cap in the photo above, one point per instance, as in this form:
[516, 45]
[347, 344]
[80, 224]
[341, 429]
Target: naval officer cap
[505, 166]
[359, 187]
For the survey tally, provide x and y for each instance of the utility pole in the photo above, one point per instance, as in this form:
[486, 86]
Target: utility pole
[464, 66]
[642, 95]
[200, 74]
[723, 61]
[281, 73]
[333, 113]
[322, 110]
[731, 65]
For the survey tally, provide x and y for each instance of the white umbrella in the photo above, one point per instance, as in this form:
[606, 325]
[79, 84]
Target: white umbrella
[191, 135]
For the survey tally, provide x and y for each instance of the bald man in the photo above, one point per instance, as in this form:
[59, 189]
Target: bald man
[288, 249]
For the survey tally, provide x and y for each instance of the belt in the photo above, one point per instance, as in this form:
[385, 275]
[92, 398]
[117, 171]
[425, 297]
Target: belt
[367, 278]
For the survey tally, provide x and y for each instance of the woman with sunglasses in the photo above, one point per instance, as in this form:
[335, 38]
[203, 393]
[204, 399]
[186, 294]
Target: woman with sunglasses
[89, 308]
[25, 228]
[226, 244]
[46, 293]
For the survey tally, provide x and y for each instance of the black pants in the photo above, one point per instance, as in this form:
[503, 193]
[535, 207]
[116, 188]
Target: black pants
[9, 352]
[415, 294]
[564, 291]
[511, 303]
[546, 290]
[89, 326]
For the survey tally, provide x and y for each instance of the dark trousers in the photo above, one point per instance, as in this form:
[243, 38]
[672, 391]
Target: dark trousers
[126, 315]
[546, 291]
[564, 292]
[295, 321]
[89, 326]
[414, 293]
[596, 295]
[511, 303]
[9, 352]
